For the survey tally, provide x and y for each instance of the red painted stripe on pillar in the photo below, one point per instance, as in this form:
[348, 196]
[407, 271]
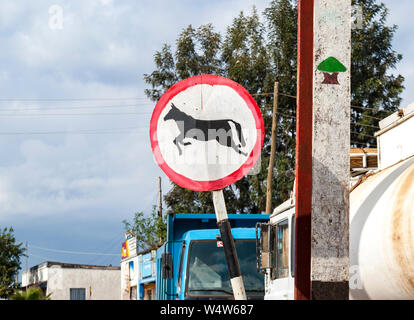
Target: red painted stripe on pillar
[304, 129]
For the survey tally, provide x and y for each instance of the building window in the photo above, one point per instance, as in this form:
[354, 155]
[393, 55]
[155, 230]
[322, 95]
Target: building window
[77, 294]
[133, 293]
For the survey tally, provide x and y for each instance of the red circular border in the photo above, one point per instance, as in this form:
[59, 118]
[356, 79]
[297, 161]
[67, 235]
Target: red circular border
[236, 175]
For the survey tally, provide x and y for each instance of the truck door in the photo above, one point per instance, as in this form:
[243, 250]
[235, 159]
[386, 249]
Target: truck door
[180, 291]
[281, 272]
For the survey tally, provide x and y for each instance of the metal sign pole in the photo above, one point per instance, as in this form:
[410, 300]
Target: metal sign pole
[228, 245]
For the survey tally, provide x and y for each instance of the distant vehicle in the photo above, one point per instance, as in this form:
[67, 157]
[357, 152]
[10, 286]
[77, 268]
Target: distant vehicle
[191, 264]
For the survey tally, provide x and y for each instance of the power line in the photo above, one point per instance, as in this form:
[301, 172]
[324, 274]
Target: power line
[288, 95]
[361, 143]
[37, 108]
[363, 134]
[41, 257]
[71, 99]
[76, 252]
[371, 109]
[295, 97]
[365, 125]
[74, 114]
[95, 131]
[371, 117]
[65, 132]
[354, 124]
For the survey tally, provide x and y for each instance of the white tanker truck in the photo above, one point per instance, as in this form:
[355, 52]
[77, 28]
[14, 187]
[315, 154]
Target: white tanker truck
[381, 221]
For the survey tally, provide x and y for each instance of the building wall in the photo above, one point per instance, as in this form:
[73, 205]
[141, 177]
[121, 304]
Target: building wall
[35, 276]
[99, 284]
[395, 138]
[134, 284]
[129, 278]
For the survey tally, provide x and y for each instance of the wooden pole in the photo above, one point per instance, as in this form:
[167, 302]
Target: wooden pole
[159, 198]
[304, 124]
[272, 150]
[230, 252]
[27, 257]
[160, 203]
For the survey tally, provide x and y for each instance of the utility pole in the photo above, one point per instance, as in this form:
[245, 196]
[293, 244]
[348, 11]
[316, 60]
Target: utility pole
[322, 152]
[331, 143]
[272, 150]
[304, 118]
[27, 256]
[27, 265]
[160, 204]
[159, 198]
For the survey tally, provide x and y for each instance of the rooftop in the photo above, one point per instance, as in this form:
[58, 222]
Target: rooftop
[47, 264]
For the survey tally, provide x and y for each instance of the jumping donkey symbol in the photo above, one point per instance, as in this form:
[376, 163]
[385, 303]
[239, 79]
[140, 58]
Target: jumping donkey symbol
[202, 130]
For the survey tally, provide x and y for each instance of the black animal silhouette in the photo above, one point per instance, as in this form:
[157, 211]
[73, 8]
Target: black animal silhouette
[204, 130]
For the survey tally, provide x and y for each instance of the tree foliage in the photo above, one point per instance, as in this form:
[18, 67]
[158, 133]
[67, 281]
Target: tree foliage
[31, 294]
[10, 254]
[257, 50]
[148, 230]
[374, 87]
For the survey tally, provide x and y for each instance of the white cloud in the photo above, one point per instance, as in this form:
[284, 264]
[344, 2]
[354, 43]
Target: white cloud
[102, 51]
[79, 174]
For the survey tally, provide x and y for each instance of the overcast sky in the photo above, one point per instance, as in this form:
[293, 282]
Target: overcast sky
[70, 189]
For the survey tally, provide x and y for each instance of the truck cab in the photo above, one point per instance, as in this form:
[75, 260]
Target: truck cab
[277, 251]
[192, 265]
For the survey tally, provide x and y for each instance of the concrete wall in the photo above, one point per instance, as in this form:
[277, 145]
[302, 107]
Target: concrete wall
[330, 163]
[99, 284]
[126, 284]
[34, 276]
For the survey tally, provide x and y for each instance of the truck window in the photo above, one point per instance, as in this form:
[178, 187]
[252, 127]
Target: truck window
[180, 268]
[282, 249]
[208, 274]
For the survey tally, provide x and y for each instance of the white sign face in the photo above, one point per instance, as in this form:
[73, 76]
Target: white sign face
[209, 132]
[132, 246]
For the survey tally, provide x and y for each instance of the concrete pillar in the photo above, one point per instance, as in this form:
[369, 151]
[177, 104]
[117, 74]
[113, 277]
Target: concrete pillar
[331, 144]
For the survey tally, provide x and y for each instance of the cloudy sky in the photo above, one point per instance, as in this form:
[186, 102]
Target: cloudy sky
[69, 173]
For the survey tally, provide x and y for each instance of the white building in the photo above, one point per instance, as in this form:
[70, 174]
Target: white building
[138, 271]
[67, 281]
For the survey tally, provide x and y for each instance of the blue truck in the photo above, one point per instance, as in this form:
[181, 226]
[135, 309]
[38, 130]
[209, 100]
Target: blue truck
[191, 263]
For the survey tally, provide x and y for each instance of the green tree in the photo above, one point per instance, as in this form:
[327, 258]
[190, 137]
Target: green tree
[257, 53]
[281, 19]
[197, 52]
[31, 294]
[247, 61]
[147, 230]
[10, 254]
[373, 86]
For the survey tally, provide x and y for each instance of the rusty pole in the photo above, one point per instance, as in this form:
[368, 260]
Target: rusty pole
[304, 125]
[272, 150]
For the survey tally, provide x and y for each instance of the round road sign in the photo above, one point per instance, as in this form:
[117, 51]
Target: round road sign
[206, 132]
